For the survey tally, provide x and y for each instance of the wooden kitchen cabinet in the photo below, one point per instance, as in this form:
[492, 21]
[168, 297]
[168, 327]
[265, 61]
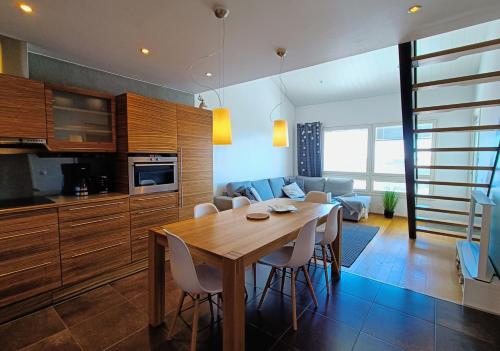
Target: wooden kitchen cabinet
[29, 255]
[145, 125]
[79, 120]
[195, 158]
[149, 211]
[22, 108]
[95, 238]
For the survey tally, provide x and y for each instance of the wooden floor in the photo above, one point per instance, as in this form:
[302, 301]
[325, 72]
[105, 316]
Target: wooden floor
[426, 265]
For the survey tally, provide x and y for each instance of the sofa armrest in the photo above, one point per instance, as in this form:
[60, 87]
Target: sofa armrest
[223, 202]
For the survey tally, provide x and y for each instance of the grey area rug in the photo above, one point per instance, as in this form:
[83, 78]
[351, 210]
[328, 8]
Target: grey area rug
[355, 237]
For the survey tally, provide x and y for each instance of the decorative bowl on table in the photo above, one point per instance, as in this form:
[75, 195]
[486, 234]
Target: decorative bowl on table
[283, 208]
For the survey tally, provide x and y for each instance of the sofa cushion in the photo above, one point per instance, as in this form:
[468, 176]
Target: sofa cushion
[299, 181]
[277, 185]
[263, 188]
[293, 191]
[313, 184]
[233, 186]
[339, 186]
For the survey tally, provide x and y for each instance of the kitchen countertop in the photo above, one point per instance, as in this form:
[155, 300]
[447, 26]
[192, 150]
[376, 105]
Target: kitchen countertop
[64, 200]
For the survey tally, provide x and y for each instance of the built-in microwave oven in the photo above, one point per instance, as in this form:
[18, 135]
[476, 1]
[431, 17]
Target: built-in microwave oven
[152, 173]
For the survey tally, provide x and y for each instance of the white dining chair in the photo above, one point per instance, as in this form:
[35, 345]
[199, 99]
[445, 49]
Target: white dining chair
[325, 236]
[192, 279]
[295, 258]
[204, 209]
[318, 197]
[242, 201]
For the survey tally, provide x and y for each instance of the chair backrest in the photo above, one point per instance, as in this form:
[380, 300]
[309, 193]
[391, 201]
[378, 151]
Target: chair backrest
[204, 209]
[304, 245]
[317, 197]
[331, 226]
[240, 201]
[182, 266]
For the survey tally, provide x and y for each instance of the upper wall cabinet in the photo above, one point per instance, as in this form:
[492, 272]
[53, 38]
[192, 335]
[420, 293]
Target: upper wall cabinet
[22, 108]
[80, 120]
[146, 124]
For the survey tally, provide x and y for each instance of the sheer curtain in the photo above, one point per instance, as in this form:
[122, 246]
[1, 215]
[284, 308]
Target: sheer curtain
[309, 149]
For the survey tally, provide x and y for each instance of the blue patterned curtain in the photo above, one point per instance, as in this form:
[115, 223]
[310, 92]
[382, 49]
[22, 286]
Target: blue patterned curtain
[309, 146]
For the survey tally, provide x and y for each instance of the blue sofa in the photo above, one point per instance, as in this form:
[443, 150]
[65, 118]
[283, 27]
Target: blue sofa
[355, 206]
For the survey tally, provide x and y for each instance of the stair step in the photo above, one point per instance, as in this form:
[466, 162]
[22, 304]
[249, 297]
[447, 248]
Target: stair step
[438, 197]
[444, 222]
[464, 80]
[455, 107]
[452, 54]
[443, 210]
[435, 182]
[458, 129]
[460, 168]
[460, 149]
[445, 232]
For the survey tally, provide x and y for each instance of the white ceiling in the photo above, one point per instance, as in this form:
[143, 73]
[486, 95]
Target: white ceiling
[376, 73]
[107, 34]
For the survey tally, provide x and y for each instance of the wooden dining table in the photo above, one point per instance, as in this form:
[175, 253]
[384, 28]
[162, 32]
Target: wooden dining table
[231, 242]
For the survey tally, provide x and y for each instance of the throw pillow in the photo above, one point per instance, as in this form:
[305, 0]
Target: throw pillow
[293, 191]
[255, 193]
[246, 192]
[299, 181]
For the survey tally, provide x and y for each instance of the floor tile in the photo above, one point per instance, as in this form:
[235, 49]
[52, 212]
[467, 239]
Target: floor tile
[358, 286]
[472, 322]
[107, 328]
[407, 301]
[88, 305]
[367, 342]
[30, 329]
[147, 338]
[448, 339]
[132, 285]
[316, 332]
[171, 298]
[275, 316]
[344, 308]
[62, 341]
[400, 329]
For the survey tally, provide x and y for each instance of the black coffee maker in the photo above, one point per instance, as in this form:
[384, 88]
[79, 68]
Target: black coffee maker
[76, 178]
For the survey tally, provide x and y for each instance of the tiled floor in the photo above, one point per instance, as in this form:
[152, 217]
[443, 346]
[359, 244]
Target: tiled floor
[361, 314]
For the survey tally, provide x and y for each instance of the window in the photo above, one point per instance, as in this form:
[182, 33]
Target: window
[399, 187]
[389, 150]
[346, 150]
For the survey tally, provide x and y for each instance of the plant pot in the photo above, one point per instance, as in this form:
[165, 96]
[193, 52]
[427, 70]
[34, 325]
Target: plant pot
[388, 214]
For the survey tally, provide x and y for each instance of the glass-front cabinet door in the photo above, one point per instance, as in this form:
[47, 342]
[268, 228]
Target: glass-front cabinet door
[80, 120]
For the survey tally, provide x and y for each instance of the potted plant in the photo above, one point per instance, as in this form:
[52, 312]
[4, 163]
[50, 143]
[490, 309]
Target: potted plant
[390, 201]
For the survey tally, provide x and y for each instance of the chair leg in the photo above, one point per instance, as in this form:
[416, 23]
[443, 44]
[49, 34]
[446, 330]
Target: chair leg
[177, 313]
[335, 264]
[211, 307]
[283, 276]
[294, 301]
[309, 284]
[325, 265]
[194, 332]
[271, 274]
[254, 269]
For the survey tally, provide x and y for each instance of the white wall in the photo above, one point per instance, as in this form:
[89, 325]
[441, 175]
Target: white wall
[252, 156]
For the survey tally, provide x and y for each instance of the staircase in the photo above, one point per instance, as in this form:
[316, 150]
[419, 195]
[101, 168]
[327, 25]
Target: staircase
[438, 180]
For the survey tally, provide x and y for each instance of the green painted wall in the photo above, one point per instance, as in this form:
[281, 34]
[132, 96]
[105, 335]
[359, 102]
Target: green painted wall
[55, 71]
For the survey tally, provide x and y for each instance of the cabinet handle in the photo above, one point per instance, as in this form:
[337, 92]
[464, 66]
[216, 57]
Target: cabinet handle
[96, 221]
[97, 250]
[94, 206]
[181, 193]
[25, 269]
[152, 197]
[155, 210]
[24, 234]
[142, 237]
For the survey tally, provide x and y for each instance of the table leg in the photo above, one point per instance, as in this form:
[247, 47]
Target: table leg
[156, 280]
[337, 248]
[234, 305]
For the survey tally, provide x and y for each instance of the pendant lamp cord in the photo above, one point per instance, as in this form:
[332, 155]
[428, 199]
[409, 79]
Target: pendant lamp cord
[282, 90]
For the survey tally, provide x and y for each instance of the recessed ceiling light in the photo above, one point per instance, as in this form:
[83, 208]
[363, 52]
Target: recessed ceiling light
[25, 8]
[209, 74]
[145, 51]
[414, 9]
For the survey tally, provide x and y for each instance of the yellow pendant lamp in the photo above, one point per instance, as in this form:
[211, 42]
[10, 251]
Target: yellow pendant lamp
[280, 126]
[222, 134]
